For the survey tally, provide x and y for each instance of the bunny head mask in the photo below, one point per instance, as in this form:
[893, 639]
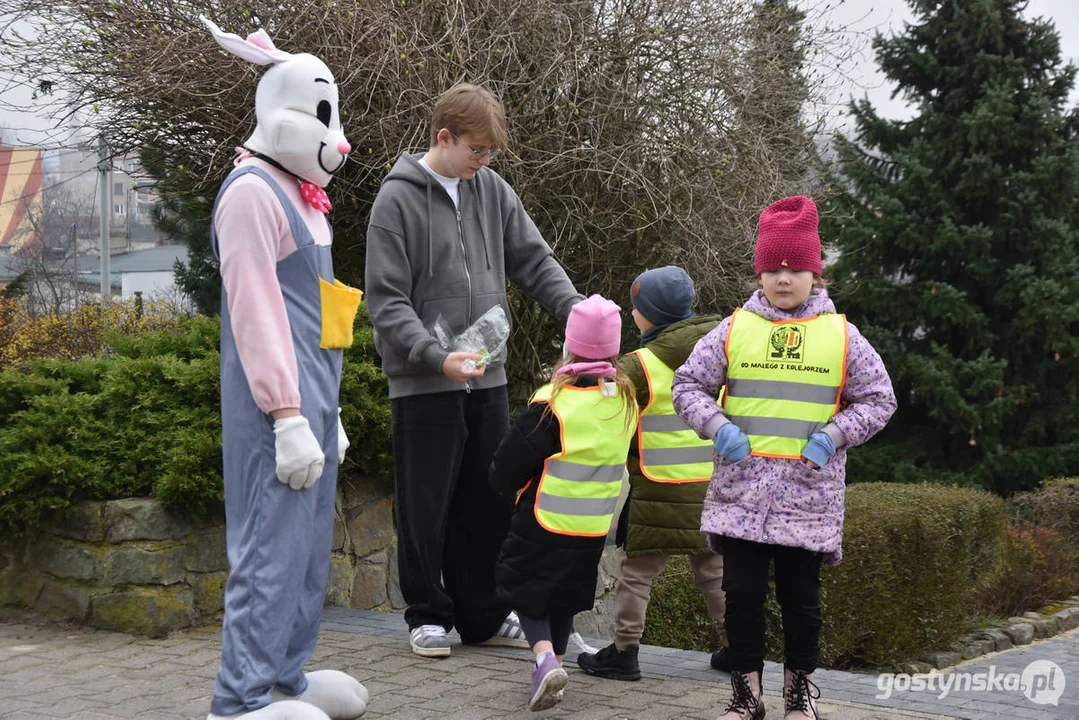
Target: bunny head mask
[298, 122]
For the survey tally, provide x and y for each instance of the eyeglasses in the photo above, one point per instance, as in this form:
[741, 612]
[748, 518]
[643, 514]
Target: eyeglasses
[491, 153]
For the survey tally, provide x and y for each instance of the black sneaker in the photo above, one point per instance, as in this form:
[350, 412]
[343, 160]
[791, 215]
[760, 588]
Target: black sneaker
[610, 662]
[721, 660]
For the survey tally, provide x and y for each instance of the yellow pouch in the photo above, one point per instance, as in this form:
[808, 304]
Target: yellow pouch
[339, 305]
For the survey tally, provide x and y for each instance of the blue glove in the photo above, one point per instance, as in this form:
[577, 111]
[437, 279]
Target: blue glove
[819, 449]
[731, 443]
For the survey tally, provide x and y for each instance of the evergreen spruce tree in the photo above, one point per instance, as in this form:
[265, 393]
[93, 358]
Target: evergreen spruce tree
[771, 125]
[187, 220]
[185, 217]
[959, 238]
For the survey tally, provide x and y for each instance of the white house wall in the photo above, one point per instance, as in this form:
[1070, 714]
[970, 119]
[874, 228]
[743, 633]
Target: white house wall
[150, 284]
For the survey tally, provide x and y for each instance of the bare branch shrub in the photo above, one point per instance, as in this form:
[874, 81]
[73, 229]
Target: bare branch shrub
[643, 132]
[45, 260]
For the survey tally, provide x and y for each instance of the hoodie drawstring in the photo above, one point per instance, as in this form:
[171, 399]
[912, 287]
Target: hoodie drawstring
[430, 233]
[483, 228]
[430, 230]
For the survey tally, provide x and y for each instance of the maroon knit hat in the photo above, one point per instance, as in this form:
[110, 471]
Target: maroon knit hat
[787, 236]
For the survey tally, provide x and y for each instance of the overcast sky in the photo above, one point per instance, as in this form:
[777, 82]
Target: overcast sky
[889, 16]
[858, 78]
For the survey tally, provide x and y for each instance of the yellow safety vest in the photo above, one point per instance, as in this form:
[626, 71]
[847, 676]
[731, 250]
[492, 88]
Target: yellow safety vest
[671, 452]
[579, 487]
[784, 379]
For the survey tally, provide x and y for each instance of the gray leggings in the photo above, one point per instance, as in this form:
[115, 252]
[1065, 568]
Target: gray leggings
[553, 628]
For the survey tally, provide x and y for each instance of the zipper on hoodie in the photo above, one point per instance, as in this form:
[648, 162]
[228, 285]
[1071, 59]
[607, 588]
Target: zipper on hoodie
[468, 276]
[464, 258]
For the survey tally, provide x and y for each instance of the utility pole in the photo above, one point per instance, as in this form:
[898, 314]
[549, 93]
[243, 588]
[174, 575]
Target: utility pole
[103, 167]
[75, 249]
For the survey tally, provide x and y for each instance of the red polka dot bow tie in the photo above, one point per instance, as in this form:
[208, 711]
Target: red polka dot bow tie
[315, 196]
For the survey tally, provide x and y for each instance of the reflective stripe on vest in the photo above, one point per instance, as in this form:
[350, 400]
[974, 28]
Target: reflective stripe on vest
[784, 379]
[671, 452]
[579, 488]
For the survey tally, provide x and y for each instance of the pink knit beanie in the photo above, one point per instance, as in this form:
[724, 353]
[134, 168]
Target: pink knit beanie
[787, 236]
[594, 329]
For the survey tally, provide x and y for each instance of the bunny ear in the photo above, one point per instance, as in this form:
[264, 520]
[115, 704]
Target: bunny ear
[258, 48]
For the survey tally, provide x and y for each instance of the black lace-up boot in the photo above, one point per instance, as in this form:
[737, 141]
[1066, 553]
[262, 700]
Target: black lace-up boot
[744, 704]
[799, 696]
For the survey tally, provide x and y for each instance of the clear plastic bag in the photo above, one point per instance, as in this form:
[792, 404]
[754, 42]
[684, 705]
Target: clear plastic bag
[487, 336]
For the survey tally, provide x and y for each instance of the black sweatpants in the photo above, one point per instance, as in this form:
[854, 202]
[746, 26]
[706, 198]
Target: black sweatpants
[745, 583]
[450, 521]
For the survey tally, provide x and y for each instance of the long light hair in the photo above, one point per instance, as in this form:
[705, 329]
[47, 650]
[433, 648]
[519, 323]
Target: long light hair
[626, 391]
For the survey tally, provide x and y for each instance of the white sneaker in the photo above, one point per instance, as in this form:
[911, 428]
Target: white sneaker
[509, 635]
[429, 641]
[582, 647]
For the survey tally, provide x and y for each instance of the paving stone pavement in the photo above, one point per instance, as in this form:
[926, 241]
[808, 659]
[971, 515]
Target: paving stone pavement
[58, 671]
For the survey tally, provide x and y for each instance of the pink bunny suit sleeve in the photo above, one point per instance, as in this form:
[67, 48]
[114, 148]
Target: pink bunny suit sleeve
[253, 236]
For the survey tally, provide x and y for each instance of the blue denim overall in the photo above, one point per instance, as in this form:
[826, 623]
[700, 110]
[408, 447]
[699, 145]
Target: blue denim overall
[279, 539]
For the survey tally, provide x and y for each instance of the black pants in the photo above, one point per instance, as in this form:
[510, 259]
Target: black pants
[450, 521]
[554, 628]
[745, 583]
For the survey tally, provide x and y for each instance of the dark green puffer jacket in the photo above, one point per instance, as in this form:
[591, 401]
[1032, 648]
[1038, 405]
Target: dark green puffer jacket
[664, 518]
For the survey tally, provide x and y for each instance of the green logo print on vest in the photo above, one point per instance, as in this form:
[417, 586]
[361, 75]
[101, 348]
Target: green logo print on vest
[579, 488]
[784, 379]
[786, 343]
[671, 452]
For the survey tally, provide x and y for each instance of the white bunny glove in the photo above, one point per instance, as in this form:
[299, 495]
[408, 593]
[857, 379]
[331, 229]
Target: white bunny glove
[342, 439]
[299, 456]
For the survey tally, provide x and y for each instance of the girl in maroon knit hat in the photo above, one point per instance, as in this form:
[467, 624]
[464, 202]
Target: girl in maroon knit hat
[797, 386]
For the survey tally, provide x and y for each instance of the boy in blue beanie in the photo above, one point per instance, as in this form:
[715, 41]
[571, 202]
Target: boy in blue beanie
[670, 467]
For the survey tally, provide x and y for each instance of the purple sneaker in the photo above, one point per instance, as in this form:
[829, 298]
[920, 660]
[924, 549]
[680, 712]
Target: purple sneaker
[548, 679]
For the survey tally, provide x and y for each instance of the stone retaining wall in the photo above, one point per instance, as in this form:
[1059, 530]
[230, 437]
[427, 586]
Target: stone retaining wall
[128, 565]
[121, 565]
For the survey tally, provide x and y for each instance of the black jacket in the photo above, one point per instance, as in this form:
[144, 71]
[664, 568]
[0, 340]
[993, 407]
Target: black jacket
[540, 573]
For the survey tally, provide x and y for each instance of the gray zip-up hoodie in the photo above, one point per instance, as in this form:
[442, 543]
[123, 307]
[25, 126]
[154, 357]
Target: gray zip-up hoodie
[426, 257]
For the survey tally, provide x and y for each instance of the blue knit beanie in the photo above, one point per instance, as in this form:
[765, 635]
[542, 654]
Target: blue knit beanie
[664, 295]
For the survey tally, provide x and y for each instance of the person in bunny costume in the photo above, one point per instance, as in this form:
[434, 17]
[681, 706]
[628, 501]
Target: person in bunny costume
[284, 322]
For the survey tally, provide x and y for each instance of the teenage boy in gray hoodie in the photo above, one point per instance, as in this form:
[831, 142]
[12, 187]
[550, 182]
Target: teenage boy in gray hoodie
[445, 233]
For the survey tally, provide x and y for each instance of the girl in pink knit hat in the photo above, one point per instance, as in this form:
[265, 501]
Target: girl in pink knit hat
[564, 458]
[797, 385]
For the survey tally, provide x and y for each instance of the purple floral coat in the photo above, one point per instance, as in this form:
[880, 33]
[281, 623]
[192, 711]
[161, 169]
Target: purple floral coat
[773, 500]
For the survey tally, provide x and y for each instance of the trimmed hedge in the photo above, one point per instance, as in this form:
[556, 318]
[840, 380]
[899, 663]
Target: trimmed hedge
[1041, 550]
[915, 559]
[143, 419]
[104, 428]
[1039, 567]
[1055, 505]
